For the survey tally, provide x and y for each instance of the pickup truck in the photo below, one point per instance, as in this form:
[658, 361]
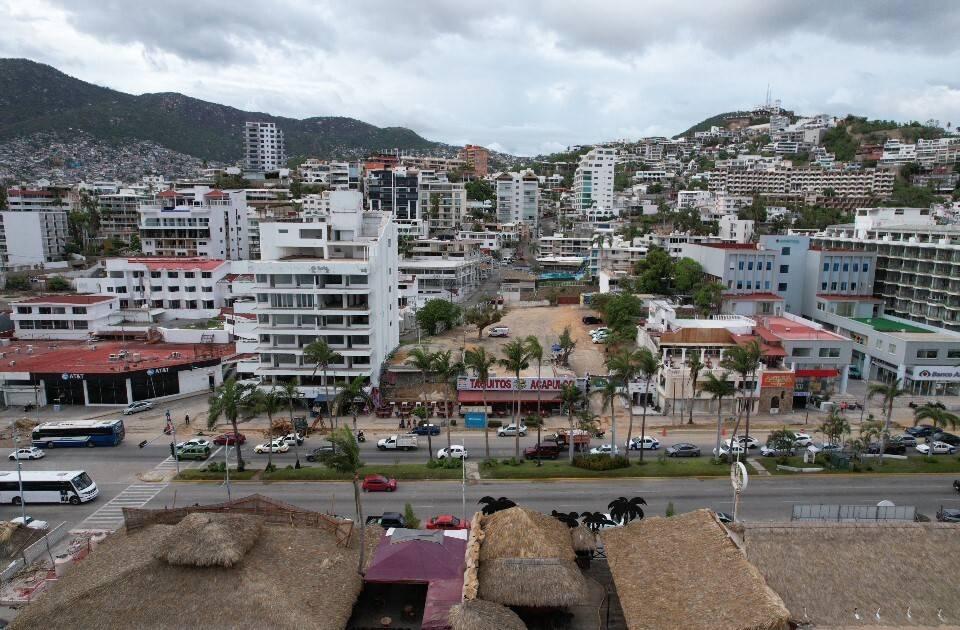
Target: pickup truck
[581, 439]
[387, 520]
[543, 450]
[406, 442]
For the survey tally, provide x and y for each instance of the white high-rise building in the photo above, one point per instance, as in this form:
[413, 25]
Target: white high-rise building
[263, 147]
[593, 180]
[442, 202]
[198, 221]
[518, 198]
[332, 277]
[33, 229]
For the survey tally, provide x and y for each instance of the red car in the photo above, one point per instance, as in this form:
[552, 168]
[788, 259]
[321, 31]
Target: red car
[230, 439]
[378, 483]
[447, 521]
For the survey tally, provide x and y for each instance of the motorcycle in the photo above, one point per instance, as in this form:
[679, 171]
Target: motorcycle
[956, 485]
[599, 433]
[361, 437]
[28, 407]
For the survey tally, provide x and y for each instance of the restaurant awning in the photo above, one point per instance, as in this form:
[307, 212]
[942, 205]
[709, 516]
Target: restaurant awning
[818, 373]
[476, 396]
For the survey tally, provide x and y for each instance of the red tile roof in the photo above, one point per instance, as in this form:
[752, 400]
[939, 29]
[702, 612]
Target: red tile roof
[789, 330]
[59, 357]
[168, 193]
[217, 194]
[67, 299]
[179, 264]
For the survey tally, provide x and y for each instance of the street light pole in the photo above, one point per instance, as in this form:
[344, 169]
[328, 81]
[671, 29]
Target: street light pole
[226, 463]
[16, 449]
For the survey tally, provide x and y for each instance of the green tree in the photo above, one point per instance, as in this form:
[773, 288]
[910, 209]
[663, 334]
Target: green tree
[353, 395]
[567, 346]
[624, 510]
[436, 313]
[687, 274]
[480, 362]
[268, 402]
[888, 392]
[228, 401]
[781, 439]
[647, 368]
[17, 282]
[480, 190]
[319, 354]
[599, 241]
[707, 298]
[58, 283]
[719, 388]
[535, 353]
[447, 372]
[654, 272]
[834, 427]
[756, 211]
[290, 394]
[135, 244]
[609, 393]
[571, 397]
[938, 416]
[745, 361]
[423, 360]
[694, 364]
[623, 367]
[482, 316]
[3, 198]
[344, 457]
[515, 359]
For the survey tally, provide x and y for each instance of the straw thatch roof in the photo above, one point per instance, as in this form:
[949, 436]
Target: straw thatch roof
[582, 538]
[527, 559]
[685, 572]
[286, 578]
[479, 614]
[823, 571]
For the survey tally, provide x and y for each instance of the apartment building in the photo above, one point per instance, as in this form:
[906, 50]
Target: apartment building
[179, 287]
[449, 270]
[396, 190]
[593, 179]
[334, 175]
[786, 181]
[490, 241]
[442, 203]
[62, 316]
[735, 230]
[332, 277]
[518, 198]
[196, 222]
[33, 229]
[263, 147]
[477, 158]
[748, 272]
[120, 213]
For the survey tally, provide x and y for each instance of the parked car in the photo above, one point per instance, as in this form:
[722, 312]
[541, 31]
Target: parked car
[684, 449]
[920, 431]
[137, 407]
[31, 452]
[724, 518]
[825, 447]
[447, 521]
[907, 440]
[511, 430]
[317, 454]
[543, 450]
[948, 515]
[591, 320]
[890, 448]
[648, 443]
[456, 451]
[197, 441]
[770, 451]
[276, 446]
[193, 451]
[378, 483]
[748, 441]
[229, 439]
[388, 520]
[946, 438]
[599, 331]
[427, 429]
[605, 449]
[29, 522]
[292, 438]
[725, 450]
[936, 448]
[601, 338]
[499, 331]
[802, 440]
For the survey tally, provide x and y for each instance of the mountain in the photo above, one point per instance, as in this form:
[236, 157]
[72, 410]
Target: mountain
[38, 98]
[728, 120]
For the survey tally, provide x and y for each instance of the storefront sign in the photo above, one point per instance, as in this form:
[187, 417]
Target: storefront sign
[475, 420]
[509, 384]
[935, 373]
[785, 380]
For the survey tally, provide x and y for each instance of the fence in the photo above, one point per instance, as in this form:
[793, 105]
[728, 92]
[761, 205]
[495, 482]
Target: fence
[39, 547]
[853, 513]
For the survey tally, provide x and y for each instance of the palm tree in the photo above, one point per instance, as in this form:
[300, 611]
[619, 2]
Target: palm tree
[269, 402]
[608, 395]
[623, 366]
[595, 520]
[229, 399]
[939, 416]
[567, 518]
[535, 352]
[291, 392]
[344, 457]
[447, 371]
[599, 240]
[624, 510]
[719, 388]
[745, 361]
[352, 394]
[571, 397]
[480, 362]
[695, 364]
[422, 359]
[889, 392]
[647, 368]
[515, 360]
[322, 356]
[491, 505]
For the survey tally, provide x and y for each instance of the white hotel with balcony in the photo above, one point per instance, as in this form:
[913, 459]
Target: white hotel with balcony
[197, 221]
[332, 277]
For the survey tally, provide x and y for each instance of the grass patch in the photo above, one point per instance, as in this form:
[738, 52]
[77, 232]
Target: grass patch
[936, 464]
[193, 474]
[397, 471]
[651, 467]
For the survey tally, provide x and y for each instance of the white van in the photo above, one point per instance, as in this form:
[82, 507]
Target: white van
[499, 331]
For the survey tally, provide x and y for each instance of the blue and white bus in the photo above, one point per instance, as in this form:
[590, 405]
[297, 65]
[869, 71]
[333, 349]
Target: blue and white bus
[47, 486]
[78, 433]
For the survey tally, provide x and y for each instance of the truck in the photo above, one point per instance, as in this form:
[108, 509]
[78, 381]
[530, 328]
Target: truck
[581, 439]
[405, 442]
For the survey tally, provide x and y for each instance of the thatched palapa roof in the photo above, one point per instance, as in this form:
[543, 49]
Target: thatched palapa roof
[685, 572]
[527, 559]
[209, 570]
[824, 571]
[479, 614]
[583, 539]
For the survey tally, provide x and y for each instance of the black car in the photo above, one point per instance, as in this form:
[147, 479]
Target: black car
[946, 438]
[683, 450]
[949, 515]
[317, 454]
[591, 320]
[387, 520]
[922, 431]
[907, 440]
[723, 517]
[890, 448]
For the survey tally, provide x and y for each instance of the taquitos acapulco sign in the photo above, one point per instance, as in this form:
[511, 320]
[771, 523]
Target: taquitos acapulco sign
[510, 383]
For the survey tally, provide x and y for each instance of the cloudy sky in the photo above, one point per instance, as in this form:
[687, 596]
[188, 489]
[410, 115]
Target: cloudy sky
[524, 77]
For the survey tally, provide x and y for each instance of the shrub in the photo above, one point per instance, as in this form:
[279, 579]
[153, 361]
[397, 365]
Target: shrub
[17, 283]
[58, 283]
[600, 462]
[453, 422]
[270, 467]
[216, 467]
[670, 510]
[489, 463]
[494, 424]
[410, 517]
[533, 421]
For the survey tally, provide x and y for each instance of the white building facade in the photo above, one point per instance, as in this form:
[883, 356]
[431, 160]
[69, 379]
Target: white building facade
[518, 198]
[593, 179]
[263, 147]
[196, 222]
[62, 316]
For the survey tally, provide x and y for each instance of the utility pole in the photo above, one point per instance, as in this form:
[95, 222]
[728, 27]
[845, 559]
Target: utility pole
[16, 449]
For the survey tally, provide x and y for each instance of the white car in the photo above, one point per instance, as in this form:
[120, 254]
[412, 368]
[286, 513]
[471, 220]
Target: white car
[277, 446]
[647, 442]
[201, 442]
[749, 442]
[605, 449]
[936, 448]
[600, 338]
[137, 407]
[824, 446]
[291, 439]
[603, 330]
[31, 523]
[31, 452]
[511, 429]
[802, 439]
[456, 451]
[725, 449]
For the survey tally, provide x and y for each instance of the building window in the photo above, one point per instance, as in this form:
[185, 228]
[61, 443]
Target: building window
[830, 352]
[79, 310]
[739, 284]
[750, 266]
[892, 348]
[769, 265]
[853, 286]
[826, 266]
[740, 266]
[782, 286]
[784, 251]
[927, 354]
[833, 286]
[846, 266]
[953, 354]
[23, 310]
[784, 268]
[206, 274]
[843, 286]
[865, 267]
[800, 352]
[856, 266]
[823, 286]
[836, 266]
